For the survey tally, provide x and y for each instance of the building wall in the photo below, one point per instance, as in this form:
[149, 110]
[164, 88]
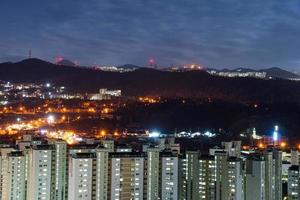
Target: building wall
[4, 176]
[269, 176]
[127, 178]
[190, 179]
[221, 160]
[80, 178]
[207, 178]
[254, 183]
[153, 169]
[60, 162]
[293, 184]
[102, 174]
[39, 183]
[277, 156]
[169, 178]
[15, 178]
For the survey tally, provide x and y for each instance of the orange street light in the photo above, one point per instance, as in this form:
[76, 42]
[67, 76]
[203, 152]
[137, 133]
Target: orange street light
[283, 144]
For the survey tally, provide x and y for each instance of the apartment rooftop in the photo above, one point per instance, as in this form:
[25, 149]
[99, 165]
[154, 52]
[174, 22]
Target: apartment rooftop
[43, 147]
[83, 155]
[127, 155]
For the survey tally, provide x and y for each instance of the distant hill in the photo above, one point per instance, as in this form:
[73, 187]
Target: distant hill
[145, 81]
[276, 72]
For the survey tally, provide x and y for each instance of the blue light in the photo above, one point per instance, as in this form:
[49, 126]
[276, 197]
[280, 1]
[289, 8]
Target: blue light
[275, 133]
[275, 136]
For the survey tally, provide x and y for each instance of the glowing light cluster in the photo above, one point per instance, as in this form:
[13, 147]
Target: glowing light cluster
[69, 136]
[50, 119]
[148, 100]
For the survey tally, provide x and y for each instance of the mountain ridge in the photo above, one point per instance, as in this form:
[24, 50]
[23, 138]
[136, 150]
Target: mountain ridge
[152, 82]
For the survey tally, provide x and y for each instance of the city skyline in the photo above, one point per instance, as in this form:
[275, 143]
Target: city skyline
[44, 168]
[149, 100]
[214, 34]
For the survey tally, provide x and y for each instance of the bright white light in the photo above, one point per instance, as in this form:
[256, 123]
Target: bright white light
[78, 139]
[209, 134]
[43, 131]
[48, 85]
[276, 128]
[3, 102]
[154, 134]
[254, 133]
[195, 134]
[50, 119]
[18, 119]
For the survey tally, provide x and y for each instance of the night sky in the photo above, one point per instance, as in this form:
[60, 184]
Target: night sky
[214, 33]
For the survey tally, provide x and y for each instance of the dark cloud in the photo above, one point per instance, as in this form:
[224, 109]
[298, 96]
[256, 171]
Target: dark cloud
[215, 33]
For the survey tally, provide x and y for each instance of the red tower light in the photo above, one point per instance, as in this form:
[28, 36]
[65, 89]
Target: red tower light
[152, 62]
[58, 59]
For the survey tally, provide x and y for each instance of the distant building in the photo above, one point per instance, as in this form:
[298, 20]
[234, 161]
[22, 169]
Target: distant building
[115, 68]
[105, 94]
[234, 74]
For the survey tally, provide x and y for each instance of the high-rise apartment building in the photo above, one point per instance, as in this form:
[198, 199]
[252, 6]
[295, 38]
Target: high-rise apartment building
[127, 176]
[102, 176]
[294, 157]
[4, 175]
[207, 178]
[59, 164]
[40, 172]
[170, 176]
[293, 182]
[277, 157]
[190, 176]
[255, 178]
[81, 176]
[57, 171]
[15, 177]
[229, 177]
[153, 173]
